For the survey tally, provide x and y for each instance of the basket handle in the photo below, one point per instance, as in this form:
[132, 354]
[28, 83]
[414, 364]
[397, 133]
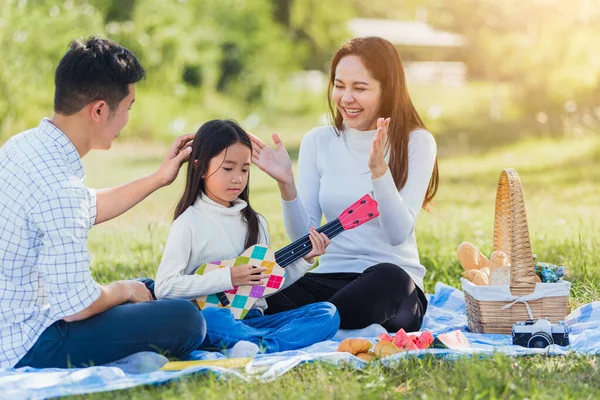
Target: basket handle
[511, 234]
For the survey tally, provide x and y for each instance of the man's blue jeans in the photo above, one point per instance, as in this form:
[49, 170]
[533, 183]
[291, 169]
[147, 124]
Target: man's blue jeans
[174, 328]
[287, 330]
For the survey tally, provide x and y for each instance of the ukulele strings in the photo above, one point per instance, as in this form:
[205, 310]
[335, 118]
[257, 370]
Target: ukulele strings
[289, 253]
[331, 229]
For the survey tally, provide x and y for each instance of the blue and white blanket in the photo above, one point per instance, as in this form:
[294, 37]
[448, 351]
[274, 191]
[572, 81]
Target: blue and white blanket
[445, 313]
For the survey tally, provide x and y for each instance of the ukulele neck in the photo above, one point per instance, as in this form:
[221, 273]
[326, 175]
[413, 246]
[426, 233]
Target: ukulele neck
[302, 246]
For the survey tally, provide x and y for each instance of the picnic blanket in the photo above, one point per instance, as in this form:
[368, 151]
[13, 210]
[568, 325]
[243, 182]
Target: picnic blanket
[445, 313]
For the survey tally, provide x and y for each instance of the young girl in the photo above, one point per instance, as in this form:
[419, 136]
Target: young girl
[214, 221]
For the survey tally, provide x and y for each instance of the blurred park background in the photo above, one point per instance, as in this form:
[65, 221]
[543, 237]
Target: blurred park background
[481, 72]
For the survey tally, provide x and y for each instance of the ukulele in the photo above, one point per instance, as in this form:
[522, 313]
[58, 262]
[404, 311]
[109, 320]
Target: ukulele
[240, 299]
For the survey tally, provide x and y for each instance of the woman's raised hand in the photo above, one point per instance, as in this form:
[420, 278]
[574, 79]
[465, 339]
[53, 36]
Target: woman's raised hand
[276, 163]
[377, 163]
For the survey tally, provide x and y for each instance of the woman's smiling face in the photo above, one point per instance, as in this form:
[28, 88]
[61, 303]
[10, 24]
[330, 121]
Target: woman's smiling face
[356, 94]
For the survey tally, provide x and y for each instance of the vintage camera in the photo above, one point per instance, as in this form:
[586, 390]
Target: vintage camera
[540, 334]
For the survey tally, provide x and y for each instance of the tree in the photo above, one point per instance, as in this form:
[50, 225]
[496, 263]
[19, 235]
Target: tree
[546, 49]
[30, 54]
[315, 27]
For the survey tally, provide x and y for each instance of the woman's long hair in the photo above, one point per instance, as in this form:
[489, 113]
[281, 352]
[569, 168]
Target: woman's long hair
[381, 58]
[212, 138]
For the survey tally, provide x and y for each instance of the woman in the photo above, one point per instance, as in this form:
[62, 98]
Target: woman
[378, 144]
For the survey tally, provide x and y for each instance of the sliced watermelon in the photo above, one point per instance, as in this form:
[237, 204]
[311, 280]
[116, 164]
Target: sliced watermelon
[384, 337]
[454, 340]
[403, 341]
[410, 346]
[423, 340]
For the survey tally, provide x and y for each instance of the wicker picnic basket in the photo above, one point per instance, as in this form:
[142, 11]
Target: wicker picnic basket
[489, 310]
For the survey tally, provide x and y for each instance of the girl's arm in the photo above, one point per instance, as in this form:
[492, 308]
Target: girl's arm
[398, 211]
[171, 278]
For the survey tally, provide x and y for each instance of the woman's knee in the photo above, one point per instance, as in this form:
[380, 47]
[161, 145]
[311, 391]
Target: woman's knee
[385, 269]
[388, 274]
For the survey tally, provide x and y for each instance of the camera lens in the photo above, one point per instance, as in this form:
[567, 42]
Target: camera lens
[540, 340]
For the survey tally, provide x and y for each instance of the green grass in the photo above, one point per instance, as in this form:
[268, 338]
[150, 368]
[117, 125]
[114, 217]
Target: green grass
[560, 180]
[496, 377]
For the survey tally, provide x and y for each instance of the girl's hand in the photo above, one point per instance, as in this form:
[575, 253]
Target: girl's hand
[377, 163]
[247, 275]
[319, 242]
[276, 163]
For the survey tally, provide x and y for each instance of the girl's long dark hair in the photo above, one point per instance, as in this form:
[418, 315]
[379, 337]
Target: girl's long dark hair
[211, 139]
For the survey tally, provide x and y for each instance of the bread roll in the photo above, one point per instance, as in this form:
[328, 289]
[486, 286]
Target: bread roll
[498, 259]
[500, 276]
[478, 277]
[368, 357]
[481, 279]
[470, 257]
[499, 269]
[354, 346]
[384, 349]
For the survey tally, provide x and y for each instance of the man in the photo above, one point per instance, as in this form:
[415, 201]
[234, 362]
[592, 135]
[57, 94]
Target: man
[52, 313]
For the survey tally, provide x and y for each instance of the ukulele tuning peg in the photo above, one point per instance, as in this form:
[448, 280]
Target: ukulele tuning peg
[356, 221]
[350, 211]
[363, 201]
[370, 214]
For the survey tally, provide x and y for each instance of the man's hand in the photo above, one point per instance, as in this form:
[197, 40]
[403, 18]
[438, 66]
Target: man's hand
[136, 291]
[112, 295]
[246, 275]
[178, 153]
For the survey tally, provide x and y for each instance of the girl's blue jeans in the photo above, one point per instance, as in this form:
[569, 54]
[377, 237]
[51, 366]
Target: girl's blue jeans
[288, 330]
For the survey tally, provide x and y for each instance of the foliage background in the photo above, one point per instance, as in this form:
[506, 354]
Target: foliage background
[236, 59]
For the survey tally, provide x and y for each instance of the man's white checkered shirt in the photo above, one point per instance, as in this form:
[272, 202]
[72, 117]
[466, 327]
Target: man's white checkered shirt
[45, 214]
